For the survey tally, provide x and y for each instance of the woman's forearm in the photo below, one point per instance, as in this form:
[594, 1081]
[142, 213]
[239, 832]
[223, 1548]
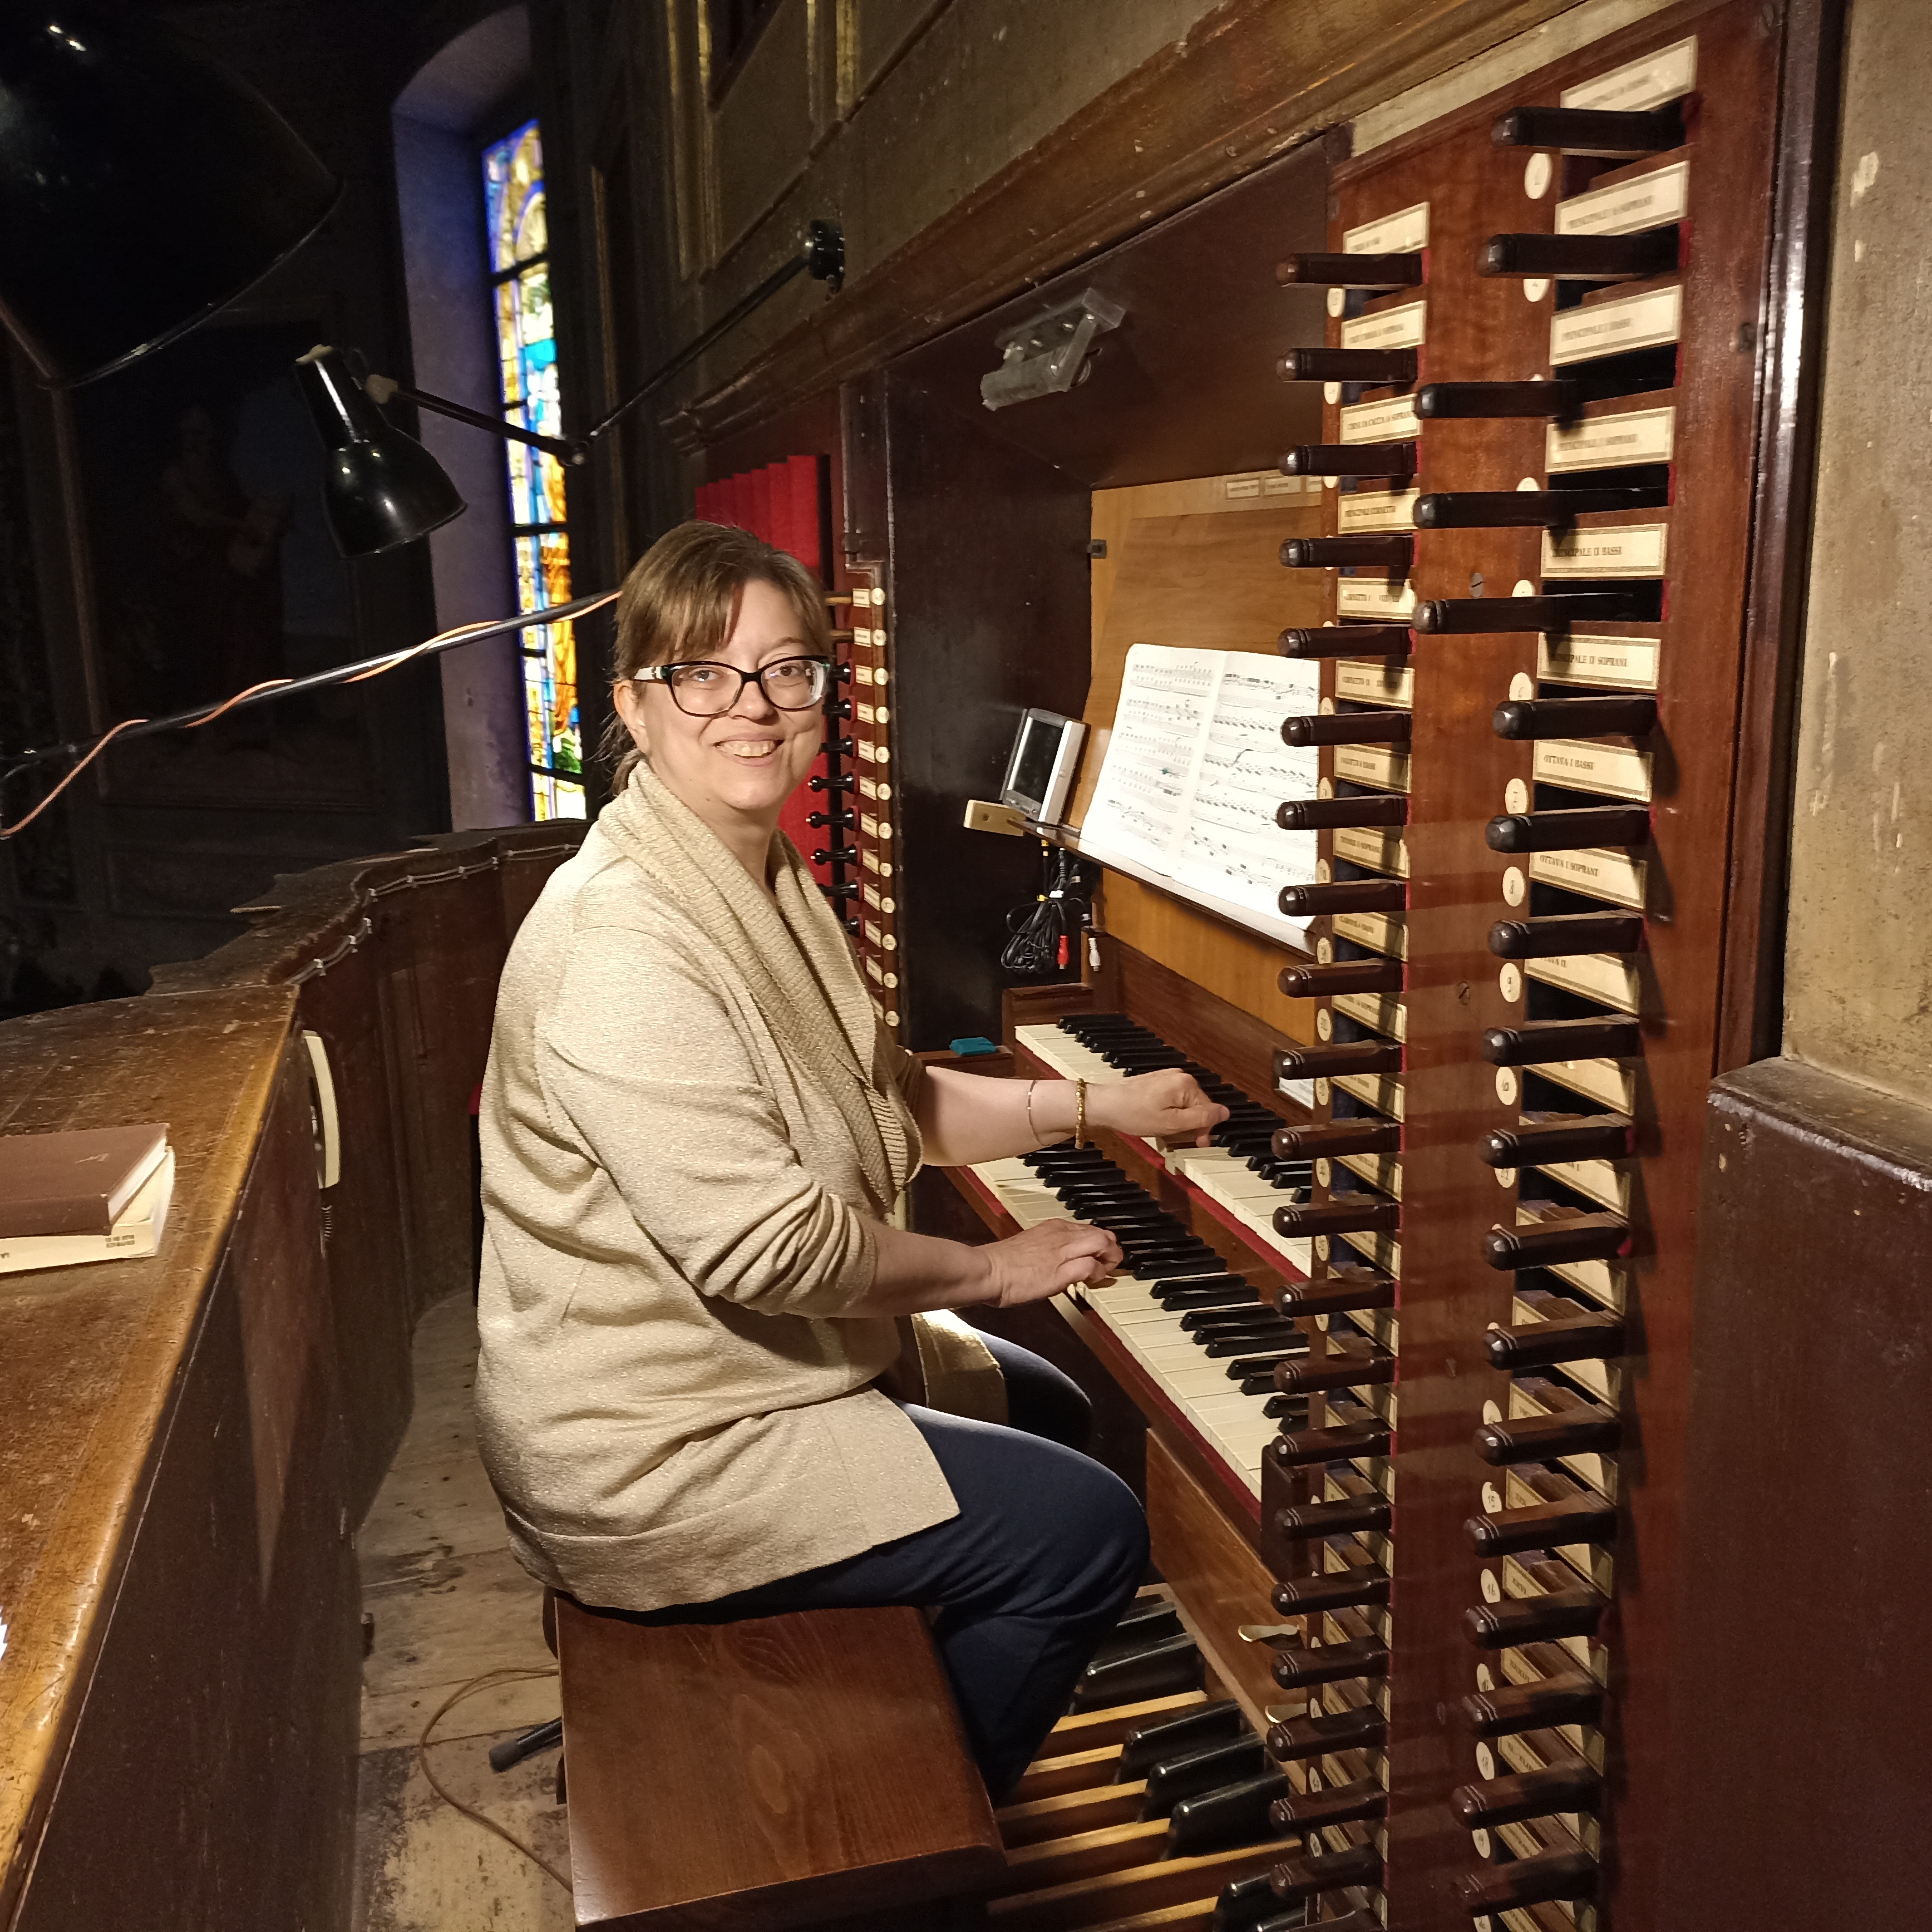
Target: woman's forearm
[965, 1117]
[918, 1272]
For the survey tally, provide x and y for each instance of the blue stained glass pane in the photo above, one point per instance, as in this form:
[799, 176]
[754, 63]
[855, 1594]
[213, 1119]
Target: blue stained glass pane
[518, 218]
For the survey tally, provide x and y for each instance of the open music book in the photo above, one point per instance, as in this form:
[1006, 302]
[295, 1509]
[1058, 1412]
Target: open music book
[1194, 768]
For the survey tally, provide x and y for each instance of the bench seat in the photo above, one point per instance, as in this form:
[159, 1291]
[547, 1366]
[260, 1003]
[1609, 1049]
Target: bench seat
[805, 1770]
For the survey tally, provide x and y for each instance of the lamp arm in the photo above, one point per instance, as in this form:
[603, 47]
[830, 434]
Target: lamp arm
[823, 257]
[270, 693]
[381, 388]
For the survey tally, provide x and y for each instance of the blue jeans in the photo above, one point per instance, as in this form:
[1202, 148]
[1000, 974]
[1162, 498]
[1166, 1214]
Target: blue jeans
[1046, 1550]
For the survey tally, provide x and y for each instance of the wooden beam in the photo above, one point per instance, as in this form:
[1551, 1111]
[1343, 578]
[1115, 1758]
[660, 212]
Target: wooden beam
[1255, 79]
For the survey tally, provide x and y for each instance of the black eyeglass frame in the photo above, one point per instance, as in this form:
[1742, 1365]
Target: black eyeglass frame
[661, 674]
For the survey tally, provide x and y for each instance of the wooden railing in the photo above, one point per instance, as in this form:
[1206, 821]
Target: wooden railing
[188, 1442]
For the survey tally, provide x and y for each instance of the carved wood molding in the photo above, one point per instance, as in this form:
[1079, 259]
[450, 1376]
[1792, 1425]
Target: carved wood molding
[1253, 80]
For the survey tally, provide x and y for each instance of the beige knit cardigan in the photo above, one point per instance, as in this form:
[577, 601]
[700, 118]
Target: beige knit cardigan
[689, 1113]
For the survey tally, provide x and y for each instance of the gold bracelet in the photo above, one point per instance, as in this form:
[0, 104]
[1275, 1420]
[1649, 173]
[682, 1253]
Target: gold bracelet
[1079, 1113]
[1030, 1128]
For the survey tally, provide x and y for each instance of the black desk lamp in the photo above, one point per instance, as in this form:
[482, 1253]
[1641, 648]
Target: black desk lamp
[382, 488]
[105, 117]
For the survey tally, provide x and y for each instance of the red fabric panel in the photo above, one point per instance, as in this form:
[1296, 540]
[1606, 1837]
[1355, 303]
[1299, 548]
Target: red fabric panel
[780, 503]
[754, 501]
[773, 479]
[808, 535]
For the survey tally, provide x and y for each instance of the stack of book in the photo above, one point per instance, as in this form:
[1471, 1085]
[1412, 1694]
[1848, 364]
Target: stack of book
[95, 1194]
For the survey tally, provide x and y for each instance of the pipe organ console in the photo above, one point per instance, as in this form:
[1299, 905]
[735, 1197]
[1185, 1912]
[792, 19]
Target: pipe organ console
[1411, 1338]
[1483, 440]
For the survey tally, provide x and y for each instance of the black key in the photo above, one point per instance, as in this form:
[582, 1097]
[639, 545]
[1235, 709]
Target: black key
[1262, 1339]
[1170, 1299]
[1148, 1271]
[1150, 1745]
[1236, 1814]
[1260, 1369]
[1206, 1768]
[1162, 1670]
[1213, 1321]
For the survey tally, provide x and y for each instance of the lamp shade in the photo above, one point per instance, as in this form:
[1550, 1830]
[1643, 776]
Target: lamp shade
[380, 488]
[142, 185]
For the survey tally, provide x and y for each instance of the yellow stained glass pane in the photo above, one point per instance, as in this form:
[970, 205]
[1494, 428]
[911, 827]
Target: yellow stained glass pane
[555, 568]
[555, 500]
[508, 347]
[536, 732]
[566, 745]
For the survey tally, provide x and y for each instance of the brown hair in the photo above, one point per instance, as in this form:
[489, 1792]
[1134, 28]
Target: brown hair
[680, 602]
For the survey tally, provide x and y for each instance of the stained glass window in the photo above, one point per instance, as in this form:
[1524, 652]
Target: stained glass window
[519, 239]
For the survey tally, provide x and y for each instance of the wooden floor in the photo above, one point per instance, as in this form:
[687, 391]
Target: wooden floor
[449, 1603]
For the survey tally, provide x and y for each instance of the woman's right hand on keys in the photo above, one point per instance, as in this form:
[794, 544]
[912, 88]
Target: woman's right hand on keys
[1046, 1257]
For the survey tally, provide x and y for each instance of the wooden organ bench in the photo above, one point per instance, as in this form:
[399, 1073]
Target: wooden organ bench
[818, 1794]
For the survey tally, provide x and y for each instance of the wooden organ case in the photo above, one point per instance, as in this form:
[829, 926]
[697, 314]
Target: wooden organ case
[1524, 504]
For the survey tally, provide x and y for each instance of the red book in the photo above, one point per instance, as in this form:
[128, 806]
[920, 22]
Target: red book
[74, 1183]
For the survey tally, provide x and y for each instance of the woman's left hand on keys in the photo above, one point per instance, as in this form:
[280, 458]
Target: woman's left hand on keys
[1168, 1105]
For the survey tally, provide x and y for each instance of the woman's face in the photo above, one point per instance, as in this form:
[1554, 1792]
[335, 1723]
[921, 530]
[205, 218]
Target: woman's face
[743, 765]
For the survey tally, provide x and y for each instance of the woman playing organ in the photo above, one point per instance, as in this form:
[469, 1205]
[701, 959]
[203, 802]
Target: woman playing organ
[693, 1301]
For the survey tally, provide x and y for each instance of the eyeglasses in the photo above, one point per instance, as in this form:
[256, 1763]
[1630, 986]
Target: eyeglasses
[705, 688]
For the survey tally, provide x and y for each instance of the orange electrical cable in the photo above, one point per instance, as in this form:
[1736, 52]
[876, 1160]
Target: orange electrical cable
[440, 640]
[100, 745]
[271, 684]
[505, 1674]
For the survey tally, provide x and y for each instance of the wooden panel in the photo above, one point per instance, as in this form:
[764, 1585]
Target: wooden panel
[1212, 581]
[1187, 564]
[817, 1789]
[1230, 963]
[1216, 1577]
[183, 1654]
[1116, 511]
[1810, 1180]
[970, 509]
[1213, 106]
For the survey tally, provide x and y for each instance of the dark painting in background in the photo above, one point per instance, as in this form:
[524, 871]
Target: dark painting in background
[215, 572]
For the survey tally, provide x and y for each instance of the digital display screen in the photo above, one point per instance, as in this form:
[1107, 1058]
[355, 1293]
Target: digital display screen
[1033, 761]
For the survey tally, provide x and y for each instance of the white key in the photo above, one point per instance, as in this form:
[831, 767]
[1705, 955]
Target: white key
[1233, 1426]
[1065, 1054]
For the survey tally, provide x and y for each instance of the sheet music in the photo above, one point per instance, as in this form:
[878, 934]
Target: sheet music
[1141, 803]
[1231, 846]
[1196, 766]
